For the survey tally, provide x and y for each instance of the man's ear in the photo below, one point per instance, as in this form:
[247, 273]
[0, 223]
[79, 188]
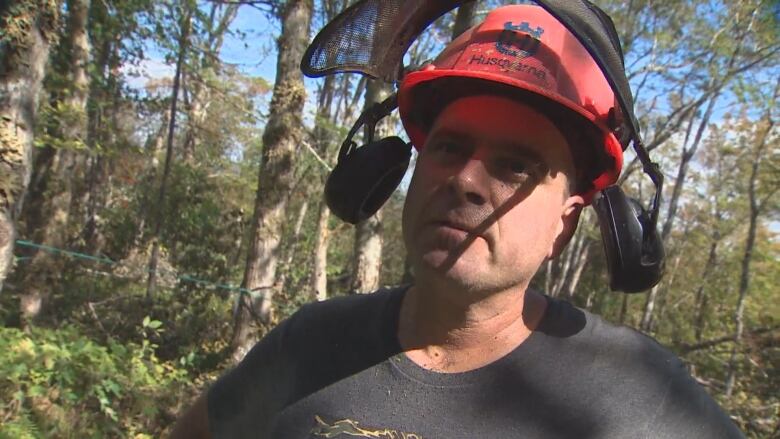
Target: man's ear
[570, 216]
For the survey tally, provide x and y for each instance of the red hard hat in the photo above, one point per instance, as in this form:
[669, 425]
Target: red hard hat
[523, 46]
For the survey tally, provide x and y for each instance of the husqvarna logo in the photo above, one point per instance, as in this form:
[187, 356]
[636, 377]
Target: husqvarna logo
[519, 40]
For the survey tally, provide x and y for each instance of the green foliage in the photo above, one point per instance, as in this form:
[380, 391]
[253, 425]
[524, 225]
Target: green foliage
[60, 383]
[60, 114]
[393, 246]
[203, 220]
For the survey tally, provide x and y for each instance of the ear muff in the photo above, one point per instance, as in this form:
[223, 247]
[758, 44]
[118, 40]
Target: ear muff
[633, 249]
[364, 179]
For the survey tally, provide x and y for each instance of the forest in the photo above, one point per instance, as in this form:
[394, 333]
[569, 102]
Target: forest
[162, 165]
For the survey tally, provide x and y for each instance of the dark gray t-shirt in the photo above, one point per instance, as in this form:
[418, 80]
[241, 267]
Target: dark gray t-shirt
[335, 370]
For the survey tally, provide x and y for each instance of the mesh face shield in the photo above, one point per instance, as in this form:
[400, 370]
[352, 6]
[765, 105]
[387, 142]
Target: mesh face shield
[371, 37]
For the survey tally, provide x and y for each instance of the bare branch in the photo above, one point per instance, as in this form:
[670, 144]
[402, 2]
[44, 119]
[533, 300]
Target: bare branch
[685, 348]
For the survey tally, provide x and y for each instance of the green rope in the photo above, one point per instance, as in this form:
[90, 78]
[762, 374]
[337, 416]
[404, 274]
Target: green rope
[64, 252]
[77, 255]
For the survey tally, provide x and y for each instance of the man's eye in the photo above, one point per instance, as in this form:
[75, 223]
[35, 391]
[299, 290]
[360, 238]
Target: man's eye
[515, 170]
[516, 166]
[450, 151]
[448, 147]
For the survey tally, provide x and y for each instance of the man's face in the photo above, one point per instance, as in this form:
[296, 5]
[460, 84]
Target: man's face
[488, 201]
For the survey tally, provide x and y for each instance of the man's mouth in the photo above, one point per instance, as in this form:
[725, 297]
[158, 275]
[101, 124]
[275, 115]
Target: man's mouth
[453, 225]
[460, 226]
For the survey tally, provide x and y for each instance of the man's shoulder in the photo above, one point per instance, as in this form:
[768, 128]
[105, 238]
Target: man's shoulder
[564, 320]
[635, 370]
[319, 344]
[630, 346]
[318, 329]
[343, 313]
[358, 323]
[349, 303]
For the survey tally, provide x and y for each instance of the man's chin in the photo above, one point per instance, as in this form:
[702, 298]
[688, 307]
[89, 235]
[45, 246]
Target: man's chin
[460, 270]
[467, 273]
[443, 260]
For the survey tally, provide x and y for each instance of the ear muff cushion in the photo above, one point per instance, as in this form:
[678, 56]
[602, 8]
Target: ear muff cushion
[621, 233]
[363, 180]
[634, 251]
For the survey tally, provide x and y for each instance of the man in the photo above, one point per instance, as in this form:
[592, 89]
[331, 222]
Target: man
[511, 147]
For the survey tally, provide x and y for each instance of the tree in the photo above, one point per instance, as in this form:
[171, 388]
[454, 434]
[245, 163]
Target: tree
[367, 257]
[117, 40]
[281, 140]
[324, 140]
[204, 70]
[464, 18]
[29, 30]
[58, 165]
[758, 151]
[184, 35]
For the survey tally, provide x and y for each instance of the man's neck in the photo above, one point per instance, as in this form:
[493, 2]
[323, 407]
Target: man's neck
[446, 335]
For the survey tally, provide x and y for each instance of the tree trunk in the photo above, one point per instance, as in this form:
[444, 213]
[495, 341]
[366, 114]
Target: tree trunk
[294, 243]
[563, 273]
[104, 94]
[22, 62]
[663, 297]
[154, 144]
[685, 158]
[78, 12]
[579, 267]
[744, 285]
[367, 262]
[96, 199]
[548, 276]
[647, 313]
[744, 280]
[95, 192]
[567, 265]
[54, 169]
[151, 281]
[33, 217]
[464, 18]
[54, 221]
[687, 154]
[281, 139]
[701, 296]
[324, 138]
[623, 310]
[320, 274]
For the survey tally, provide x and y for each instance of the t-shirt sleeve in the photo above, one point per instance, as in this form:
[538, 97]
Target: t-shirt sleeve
[656, 397]
[687, 411]
[244, 401]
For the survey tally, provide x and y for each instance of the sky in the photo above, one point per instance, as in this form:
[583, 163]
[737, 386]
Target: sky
[254, 55]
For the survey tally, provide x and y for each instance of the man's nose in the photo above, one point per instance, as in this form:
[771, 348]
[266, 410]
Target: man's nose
[471, 182]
